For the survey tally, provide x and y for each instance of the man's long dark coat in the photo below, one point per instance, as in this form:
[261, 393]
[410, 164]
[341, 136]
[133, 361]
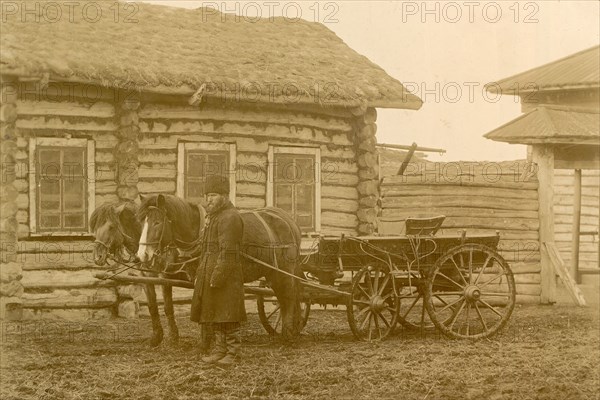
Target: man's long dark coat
[219, 287]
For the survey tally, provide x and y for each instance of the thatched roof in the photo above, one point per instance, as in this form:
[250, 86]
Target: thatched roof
[175, 50]
[551, 124]
[577, 71]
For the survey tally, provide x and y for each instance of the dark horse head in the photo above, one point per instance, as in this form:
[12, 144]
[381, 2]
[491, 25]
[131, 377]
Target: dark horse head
[117, 231]
[168, 222]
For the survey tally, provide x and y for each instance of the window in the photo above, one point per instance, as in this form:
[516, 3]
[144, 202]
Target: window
[196, 161]
[61, 197]
[294, 184]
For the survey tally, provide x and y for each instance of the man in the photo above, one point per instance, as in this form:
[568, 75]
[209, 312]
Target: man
[219, 288]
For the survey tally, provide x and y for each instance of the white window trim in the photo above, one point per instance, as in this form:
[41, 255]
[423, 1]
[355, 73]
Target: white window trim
[206, 146]
[314, 151]
[91, 181]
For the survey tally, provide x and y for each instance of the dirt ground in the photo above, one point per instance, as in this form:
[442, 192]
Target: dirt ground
[550, 352]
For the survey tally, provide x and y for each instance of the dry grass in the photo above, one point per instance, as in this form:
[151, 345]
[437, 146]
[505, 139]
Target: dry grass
[545, 353]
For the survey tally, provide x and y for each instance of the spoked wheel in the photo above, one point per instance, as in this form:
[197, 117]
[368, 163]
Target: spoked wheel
[269, 313]
[470, 292]
[373, 305]
[412, 314]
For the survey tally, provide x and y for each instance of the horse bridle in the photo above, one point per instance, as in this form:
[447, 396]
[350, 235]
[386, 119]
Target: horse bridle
[162, 233]
[125, 236]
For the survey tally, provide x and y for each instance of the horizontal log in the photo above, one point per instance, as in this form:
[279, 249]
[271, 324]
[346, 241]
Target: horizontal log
[249, 203]
[292, 133]
[338, 219]
[346, 206]
[453, 180]
[528, 279]
[103, 187]
[160, 112]
[67, 314]
[464, 211]
[426, 201]
[525, 268]
[62, 279]
[55, 123]
[329, 177]
[157, 171]
[339, 192]
[157, 186]
[449, 190]
[105, 198]
[75, 298]
[55, 246]
[338, 165]
[72, 109]
[145, 280]
[527, 299]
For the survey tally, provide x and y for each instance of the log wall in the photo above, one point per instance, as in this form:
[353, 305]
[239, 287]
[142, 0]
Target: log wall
[57, 273]
[163, 126]
[477, 197]
[563, 216]
[136, 152]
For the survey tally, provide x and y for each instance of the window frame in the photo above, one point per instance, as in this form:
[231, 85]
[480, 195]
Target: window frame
[89, 147]
[311, 151]
[184, 147]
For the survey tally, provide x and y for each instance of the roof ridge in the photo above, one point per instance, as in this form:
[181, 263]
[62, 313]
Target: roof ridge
[580, 110]
[512, 77]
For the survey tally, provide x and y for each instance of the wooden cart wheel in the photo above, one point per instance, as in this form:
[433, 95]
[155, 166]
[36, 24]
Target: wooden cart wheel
[269, 313]
[470, 292]
[373, 305]
[412, 314]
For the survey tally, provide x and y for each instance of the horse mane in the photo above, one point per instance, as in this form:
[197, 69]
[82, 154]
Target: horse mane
[184, 215]
[106, 213]
[102, 214]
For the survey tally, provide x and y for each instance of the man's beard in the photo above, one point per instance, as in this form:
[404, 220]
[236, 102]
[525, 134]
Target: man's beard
[212, 207]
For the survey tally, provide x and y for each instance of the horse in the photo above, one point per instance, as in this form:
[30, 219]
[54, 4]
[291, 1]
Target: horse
[169, 225]
[270, 236]
[116, 231]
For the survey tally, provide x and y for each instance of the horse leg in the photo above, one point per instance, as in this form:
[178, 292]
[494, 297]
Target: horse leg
[286, 291]
[170, 313]
[157, 331]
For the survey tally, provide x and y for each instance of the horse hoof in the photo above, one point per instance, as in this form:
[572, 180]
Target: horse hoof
[155, 341]
[173, 340]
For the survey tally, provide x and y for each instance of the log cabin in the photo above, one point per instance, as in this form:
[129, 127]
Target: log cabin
[560, 125]
[104, 107]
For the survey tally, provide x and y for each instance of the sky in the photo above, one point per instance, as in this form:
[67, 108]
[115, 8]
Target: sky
[445, 52]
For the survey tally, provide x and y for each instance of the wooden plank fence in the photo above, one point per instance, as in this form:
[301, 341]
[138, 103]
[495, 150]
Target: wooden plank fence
[479, 197]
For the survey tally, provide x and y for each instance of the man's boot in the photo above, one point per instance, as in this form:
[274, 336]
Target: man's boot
[233, 338]
[219, 350]
[207, 337]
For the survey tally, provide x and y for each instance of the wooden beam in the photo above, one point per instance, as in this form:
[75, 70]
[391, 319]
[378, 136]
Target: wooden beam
[576, 225]
[549, 249]
[543, 156]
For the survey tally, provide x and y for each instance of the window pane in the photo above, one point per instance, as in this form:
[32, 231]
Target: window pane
[304, 199]
[48, 221]
[73, 162]
[49, 162]
[49, 194]
[74, 221]
[305, 221]
[195, 189]
[283, 197]
[73, 193]
[284, 169]
[195, 164]
[305, 170]
[217, 164]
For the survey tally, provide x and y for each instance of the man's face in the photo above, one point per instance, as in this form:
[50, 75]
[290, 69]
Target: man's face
[214, 201]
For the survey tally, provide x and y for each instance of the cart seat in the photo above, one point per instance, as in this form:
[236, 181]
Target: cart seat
[424, 226]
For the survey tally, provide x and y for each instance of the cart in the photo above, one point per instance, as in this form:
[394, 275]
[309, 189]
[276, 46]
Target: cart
[457, 284]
